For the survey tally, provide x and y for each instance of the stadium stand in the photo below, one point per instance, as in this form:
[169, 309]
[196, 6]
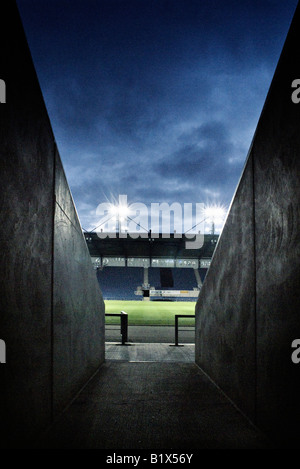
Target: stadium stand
[202, 273]
[184, 279]
[120, 264]
[154, 277]
[166, 278]
[120, 283]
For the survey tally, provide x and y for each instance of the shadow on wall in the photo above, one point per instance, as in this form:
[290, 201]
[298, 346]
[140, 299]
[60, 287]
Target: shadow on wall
[247, 315]
[52, 312]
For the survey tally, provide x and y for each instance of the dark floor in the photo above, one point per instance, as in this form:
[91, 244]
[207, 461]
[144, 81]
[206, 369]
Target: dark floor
[150, 352]
[152, 405]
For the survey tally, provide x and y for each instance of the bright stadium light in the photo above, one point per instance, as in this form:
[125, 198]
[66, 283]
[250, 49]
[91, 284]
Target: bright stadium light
[113, 209]
[123, 211]
[120, 208]
[215, 214]
[120, 211]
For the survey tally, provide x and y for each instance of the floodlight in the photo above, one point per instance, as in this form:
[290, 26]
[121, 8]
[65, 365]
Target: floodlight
[215, 213]
[113, 209]
[119, 213]
[123, 211]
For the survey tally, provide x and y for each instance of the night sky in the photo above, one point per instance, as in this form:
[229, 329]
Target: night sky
[155, 99]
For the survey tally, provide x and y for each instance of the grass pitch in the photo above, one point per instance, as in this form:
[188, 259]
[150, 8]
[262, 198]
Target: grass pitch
[150, 313]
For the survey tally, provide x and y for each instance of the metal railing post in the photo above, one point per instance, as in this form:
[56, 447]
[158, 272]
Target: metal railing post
[177, 316]
[176, 329]
[124, 327]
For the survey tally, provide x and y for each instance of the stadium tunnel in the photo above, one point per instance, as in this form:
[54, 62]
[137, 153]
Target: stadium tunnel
[52, 314]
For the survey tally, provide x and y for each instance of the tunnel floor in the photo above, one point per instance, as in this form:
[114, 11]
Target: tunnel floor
[150, 352]
[152, 405]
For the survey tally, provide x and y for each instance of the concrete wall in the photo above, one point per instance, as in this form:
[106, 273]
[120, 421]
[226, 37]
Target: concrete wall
[225, 316]
[78, 321]
[43, 256]
[248, 311]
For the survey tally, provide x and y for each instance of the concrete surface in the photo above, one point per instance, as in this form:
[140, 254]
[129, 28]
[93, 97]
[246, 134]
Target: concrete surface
[152, 406]
[248, 311]
[26, 216]
[151, 352]
[51, 307]
[225, 311]
[78, 319]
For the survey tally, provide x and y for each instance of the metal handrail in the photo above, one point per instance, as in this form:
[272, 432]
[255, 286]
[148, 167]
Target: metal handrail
[124, 325]
[177, 316]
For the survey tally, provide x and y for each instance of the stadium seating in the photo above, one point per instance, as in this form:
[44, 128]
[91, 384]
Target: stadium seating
[120, 283]
[184, 279]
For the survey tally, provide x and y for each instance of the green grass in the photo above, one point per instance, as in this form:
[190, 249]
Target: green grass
[160, 313]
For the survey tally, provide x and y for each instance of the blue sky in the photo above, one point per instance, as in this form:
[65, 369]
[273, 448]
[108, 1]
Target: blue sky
[155, 99]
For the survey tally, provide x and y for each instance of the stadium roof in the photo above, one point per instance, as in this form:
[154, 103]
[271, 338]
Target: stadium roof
[150, 247]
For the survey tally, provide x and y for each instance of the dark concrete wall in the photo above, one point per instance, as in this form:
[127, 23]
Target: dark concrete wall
[78, 321]
[225, 327]
[248, 311]
[43, 331]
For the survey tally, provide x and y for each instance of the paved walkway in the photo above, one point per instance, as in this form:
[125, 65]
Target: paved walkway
[135, 402]
[150, 352]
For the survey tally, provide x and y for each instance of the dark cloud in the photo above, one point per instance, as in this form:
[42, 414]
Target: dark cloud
[156, 99]
[205, 159]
